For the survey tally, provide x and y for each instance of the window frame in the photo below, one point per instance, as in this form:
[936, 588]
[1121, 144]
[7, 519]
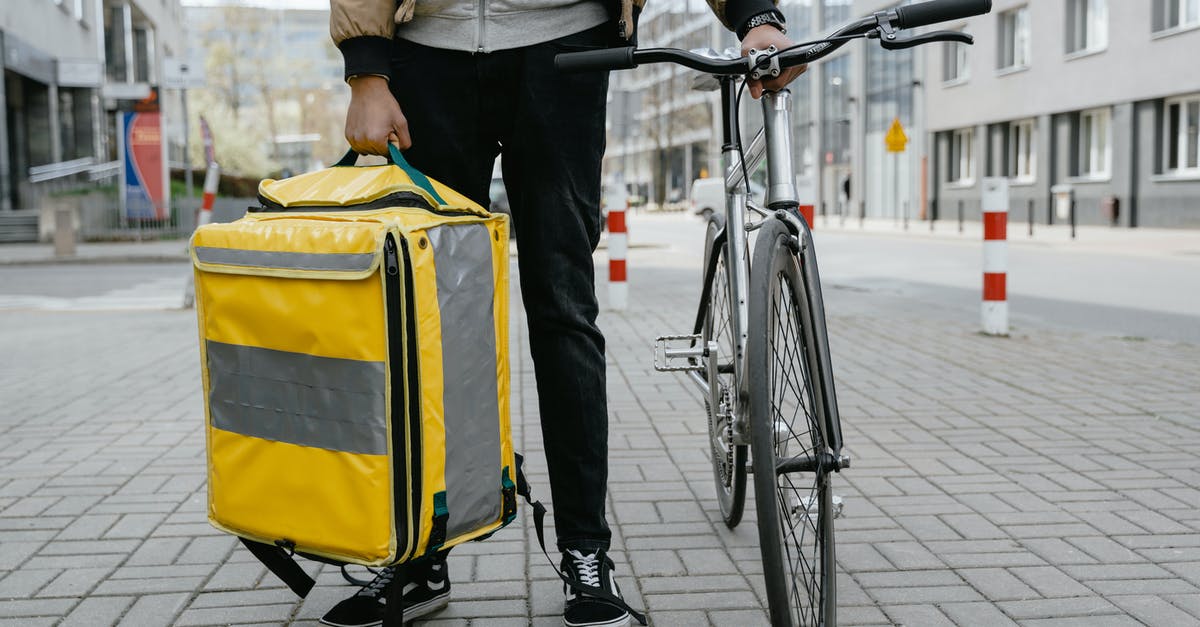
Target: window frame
[961, 162]
[957, 54]
[1022, 153]
[1187, 145]
[1086, 34]
[1088, 152]
[1160, 23]
[1012, 22]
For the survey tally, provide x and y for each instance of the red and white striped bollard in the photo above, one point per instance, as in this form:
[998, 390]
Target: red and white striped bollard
[618, 248]
[212, 178]
[995, 256]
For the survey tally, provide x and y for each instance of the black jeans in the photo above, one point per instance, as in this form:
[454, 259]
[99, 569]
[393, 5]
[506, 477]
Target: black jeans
[464, 109]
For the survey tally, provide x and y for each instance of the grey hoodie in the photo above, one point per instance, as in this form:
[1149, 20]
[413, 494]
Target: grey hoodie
[491, 25]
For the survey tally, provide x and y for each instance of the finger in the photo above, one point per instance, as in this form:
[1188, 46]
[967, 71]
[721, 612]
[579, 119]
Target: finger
[360, 144]
[400, 136]
[376, 145]
[755, 89]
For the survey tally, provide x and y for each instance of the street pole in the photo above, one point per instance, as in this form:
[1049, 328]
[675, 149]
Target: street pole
[895, 186]
[1072, 216]
[187, 147]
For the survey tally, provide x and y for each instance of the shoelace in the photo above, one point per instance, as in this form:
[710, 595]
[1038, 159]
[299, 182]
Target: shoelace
[378, 584]
[587, 567]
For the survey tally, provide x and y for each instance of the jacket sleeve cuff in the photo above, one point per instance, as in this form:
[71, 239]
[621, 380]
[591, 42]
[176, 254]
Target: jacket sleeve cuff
[738, 12]
[367, 55]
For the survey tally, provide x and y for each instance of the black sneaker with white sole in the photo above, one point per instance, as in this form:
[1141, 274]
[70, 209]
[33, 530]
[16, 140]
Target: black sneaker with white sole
[594, 570]
[426, 590]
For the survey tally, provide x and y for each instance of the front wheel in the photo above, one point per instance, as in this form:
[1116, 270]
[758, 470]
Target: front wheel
[788, 442]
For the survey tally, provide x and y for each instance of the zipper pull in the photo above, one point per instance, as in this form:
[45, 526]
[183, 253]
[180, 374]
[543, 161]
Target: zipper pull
[391, 263]
[621, 29]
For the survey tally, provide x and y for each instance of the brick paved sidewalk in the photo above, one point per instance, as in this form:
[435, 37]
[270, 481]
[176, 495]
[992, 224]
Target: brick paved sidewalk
[1048, 478]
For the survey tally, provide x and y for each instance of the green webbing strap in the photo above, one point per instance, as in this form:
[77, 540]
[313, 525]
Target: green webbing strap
[508, 491]
[397, 158]
[441, 516]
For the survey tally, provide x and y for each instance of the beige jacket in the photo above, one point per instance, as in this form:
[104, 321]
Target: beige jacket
[378, 18]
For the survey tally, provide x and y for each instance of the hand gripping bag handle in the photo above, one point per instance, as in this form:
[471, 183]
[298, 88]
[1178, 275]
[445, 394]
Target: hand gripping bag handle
[396, 158]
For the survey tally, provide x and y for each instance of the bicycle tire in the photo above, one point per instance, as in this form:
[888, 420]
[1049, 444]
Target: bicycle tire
[797, 543]
[728, 460]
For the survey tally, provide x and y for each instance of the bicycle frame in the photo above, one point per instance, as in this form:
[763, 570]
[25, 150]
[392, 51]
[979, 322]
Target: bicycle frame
[772, 142]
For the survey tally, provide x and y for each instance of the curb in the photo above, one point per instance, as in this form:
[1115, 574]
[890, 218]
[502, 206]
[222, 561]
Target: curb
[114, 259]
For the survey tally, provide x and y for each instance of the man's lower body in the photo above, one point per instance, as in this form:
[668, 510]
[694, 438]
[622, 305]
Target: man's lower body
[463, 110]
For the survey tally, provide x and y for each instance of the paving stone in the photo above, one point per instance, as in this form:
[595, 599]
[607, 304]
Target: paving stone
[908, 555]
[233, 615]
[74, 582]
[997, 584]
[38, 607]
[976, 613]
[152, 610]
[706, 561]
[1057, 608]
[916, 616]
[97, 611]
[731, 599]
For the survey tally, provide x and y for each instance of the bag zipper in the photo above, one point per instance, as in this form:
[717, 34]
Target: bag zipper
[402, 451]
[402, 351]
[391, 201]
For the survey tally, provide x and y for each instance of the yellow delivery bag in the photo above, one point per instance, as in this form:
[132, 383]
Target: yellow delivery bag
[354, 353]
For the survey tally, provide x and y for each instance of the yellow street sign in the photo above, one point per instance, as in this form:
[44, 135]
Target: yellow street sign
[896, 140]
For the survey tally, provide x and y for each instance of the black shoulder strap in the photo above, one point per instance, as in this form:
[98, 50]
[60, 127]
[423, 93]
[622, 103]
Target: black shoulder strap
[280, 562]
[539, 518]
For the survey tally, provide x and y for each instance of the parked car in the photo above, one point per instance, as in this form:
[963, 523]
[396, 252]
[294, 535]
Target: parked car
[708, 195]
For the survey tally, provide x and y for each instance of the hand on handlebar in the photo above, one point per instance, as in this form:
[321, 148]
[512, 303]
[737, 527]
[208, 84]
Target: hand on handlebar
[374, 117]
[761, 38]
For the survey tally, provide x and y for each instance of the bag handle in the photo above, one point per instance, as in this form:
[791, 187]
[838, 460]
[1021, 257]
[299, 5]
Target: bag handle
[395, 157]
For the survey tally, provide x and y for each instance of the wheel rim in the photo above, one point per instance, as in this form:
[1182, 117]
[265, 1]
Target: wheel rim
[802, 498]
[719, 328]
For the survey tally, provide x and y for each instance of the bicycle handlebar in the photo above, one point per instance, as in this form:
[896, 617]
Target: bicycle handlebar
[910, 16]
[926, 13]
[592, 60]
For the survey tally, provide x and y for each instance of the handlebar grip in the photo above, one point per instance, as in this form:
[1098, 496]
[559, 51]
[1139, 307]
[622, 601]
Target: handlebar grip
[595, 60]
[925, 13]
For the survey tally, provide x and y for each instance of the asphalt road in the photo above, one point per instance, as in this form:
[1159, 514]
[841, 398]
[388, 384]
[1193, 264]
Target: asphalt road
[1050, 286]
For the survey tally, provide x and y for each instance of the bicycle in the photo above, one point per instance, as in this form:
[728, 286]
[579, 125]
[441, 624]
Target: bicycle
[759, 350]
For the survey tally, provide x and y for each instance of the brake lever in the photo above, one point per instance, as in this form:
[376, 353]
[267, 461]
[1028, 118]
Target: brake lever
[900, 43]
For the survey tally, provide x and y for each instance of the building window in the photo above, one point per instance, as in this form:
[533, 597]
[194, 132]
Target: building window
[1022, 151]
[1095, 148]
[1172, 14]
[1182, 140]
[1087, 25]
[1014, 38]
[954, 62]
[962, 156]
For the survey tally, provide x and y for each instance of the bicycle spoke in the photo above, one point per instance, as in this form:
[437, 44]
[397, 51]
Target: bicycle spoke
[799, 506]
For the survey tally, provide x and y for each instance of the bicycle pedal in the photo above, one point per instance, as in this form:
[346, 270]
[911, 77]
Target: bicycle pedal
[680, 353]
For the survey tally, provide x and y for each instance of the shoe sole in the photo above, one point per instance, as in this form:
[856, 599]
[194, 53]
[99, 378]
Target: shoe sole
[428, 607]
[414, 612]
[623, 621]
